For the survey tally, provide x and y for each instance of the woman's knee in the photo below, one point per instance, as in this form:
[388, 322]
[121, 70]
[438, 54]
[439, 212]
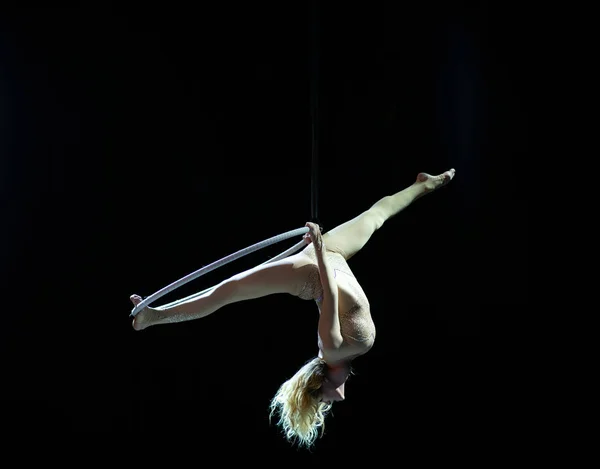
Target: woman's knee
[228, 291]
[375, 217]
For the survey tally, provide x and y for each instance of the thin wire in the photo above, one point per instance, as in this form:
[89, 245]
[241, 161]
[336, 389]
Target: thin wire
[314, 108]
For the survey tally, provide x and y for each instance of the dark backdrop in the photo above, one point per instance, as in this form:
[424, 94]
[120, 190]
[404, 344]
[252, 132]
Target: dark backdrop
[140, 144]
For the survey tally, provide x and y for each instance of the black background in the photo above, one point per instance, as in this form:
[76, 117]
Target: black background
[140, 144]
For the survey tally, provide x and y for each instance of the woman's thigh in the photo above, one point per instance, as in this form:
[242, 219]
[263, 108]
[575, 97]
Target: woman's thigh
[350, 237]
[283, 276]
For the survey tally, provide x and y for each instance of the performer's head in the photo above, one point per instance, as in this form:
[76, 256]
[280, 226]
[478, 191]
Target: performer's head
[303, 401]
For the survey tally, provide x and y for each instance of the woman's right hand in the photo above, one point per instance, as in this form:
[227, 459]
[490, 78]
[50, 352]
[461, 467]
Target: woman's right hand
[314, 235]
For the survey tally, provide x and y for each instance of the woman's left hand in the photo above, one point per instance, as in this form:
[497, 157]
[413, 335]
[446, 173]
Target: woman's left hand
[314, 235]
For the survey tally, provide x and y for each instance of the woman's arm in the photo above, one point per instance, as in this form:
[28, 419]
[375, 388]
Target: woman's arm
[329, 321]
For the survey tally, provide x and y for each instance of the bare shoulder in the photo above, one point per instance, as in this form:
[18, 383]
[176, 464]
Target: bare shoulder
[340, 356]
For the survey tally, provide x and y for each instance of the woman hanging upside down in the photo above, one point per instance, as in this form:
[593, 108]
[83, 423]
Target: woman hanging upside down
[319, 272]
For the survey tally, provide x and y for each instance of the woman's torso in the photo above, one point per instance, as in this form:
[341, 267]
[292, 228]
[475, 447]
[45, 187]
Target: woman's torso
[356, 324]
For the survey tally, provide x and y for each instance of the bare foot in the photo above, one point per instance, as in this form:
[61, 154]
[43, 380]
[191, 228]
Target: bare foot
[434, 182]
[144, 317]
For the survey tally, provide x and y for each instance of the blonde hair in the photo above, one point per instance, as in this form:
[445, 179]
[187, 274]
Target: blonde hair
[298, 404]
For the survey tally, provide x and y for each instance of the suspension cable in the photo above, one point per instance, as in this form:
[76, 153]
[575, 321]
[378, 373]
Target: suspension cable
[314, 112]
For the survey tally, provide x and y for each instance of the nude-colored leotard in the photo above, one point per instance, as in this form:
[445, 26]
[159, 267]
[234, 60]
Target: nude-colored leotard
[356, 324]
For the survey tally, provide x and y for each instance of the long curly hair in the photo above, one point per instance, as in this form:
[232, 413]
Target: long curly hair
[298, 404]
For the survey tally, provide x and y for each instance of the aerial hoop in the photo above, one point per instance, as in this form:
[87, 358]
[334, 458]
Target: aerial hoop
[221, 262]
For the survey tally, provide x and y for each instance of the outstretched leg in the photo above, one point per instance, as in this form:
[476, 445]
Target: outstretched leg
[350, 237]
[284, 276]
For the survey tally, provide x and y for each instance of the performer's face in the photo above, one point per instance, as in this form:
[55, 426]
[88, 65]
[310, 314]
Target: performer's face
[333, 388]
[330, 393]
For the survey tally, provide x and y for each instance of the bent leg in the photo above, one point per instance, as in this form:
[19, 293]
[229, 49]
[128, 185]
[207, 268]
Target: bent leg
[283, 276]
[350, 237]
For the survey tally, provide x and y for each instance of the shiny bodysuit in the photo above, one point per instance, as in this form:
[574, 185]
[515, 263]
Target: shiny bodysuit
[356, 324]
